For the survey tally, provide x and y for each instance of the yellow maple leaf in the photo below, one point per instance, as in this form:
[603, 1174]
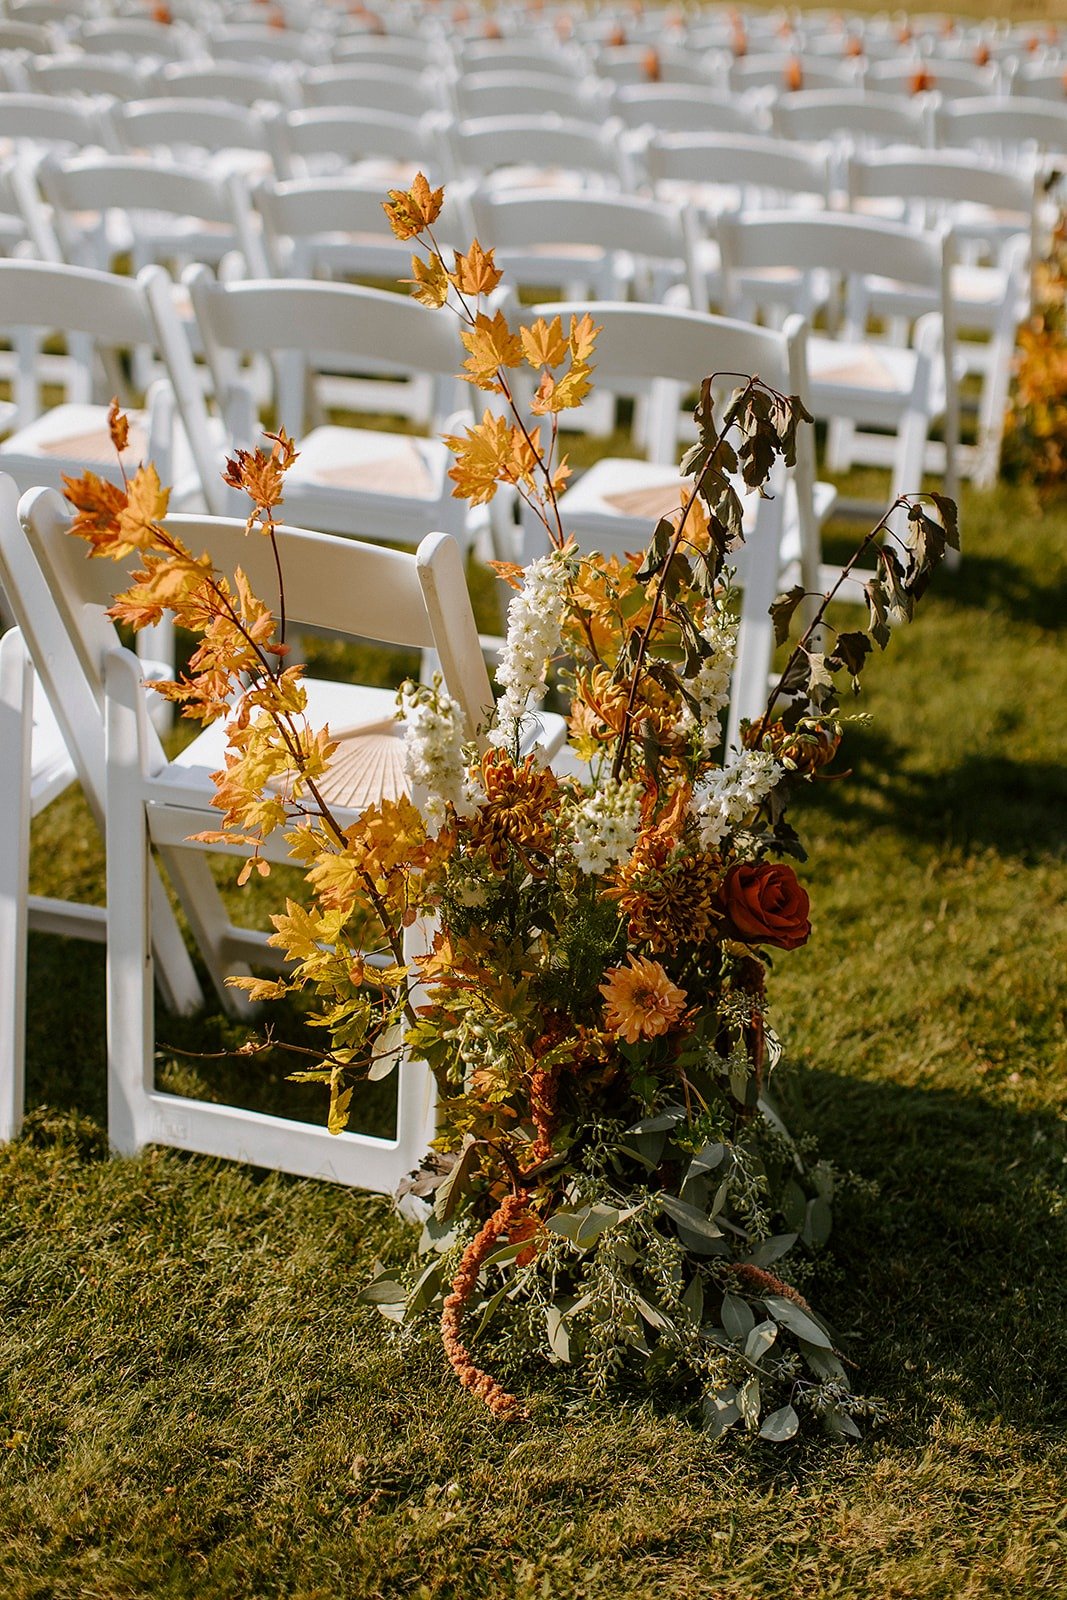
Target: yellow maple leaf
[476, 272]
[411, 210]
[481, 454]
[146, 506]
[431, 280]
[561, 394]
[582, 340]
[492, 345]
[543, 343]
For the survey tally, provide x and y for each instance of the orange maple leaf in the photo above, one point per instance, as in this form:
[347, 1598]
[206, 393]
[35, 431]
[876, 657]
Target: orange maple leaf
[492, 345]
[97, 505]
[431, 280]
[543, 343]
[118, 426]
[411, 210]
[476, 272]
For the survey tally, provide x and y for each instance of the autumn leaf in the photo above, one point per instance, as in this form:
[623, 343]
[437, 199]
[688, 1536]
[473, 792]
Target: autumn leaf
[492, 345]
[146, 506]
[476, 272]
[563, 393]
[543, 343]
[582, 339]
[118, 425]
[431, 280]
[511, 573]
[97, 506]
[480, 457]
[411, 210]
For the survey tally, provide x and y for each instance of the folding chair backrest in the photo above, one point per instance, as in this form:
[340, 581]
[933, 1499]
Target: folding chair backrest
[394, 90]
[813, 114]
[951, 80]
[784, 70]
[135, 38]
[745, 160]
[589, 149]
[548, 60]
[948, 178]
[1009, 125]
[239, 83]
[667, 109]
[409, 55]
[52, 121]
[176, 125]
[845, 244]
[28, 36]
[82, 76]
[523, 94]
[326, 138]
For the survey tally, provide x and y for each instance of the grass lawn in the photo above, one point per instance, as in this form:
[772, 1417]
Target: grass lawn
[193, 1404]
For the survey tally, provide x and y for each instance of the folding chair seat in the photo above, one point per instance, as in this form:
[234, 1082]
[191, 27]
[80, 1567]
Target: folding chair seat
[665, 354]
[531, 152]
[52, 733]
[876, 385]
[347, 480]
[663, 108]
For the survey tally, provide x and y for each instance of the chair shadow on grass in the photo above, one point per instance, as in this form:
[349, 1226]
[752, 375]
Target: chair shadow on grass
[983, 801]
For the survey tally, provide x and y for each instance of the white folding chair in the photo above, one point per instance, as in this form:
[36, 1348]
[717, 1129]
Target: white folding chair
[51, 733]
[664, 108]
[258, 42]
[877, 385]
[410, 54]
[81, 76]
[613, 507]
[348, 480]
[1011, 129]
[374, 146]
[136, 38]
[527, 152]
[52, 122]
[528, 94]
[717, 172]
[864, 118]
[547, 57]
[396, 91]
[646, 62]
[789, 72]
[952, 80]
[200, 133]
[238, 83]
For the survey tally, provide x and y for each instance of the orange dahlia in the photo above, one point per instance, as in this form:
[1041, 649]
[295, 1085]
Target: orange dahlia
[642, 1002]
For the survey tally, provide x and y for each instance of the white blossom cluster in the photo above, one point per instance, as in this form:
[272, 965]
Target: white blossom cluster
[606, 825]
[433, 748]
[535, 618]
[711, 682]
[728, 796]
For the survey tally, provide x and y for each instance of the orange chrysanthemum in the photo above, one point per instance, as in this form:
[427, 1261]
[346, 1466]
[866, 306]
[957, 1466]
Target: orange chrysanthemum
[642, 1002]
[519, 807]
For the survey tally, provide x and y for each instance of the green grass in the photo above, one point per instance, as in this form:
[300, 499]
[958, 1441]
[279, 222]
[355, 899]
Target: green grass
[193, 1404]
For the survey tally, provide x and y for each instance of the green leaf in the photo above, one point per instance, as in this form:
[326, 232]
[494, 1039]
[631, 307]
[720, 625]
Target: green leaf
[489, 1308]
[693, 1299]
[382, 1292]
[558, 1337]
[790, 1316]
[670, 1118]
[782, 611]
[840, 1424]
[689, 1219]
[759, 1341]
[819, 1223]
[772, 1250]
[780, 1425]
[737, 1317]
[704, 1161]
[448, 1193]
[748, 1401]
[583, 1228]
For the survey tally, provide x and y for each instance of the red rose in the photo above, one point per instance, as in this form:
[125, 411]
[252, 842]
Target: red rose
[765, 904]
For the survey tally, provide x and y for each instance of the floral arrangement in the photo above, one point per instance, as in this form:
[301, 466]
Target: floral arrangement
[611, 1185]
[1035, 438]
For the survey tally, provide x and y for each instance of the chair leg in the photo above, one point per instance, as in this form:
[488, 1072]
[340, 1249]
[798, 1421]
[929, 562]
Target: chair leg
[16, 705]
[130, 997]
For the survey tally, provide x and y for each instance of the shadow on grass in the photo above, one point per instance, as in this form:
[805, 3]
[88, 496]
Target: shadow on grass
[1014, 807]
[948, 1283]
[195, 1056]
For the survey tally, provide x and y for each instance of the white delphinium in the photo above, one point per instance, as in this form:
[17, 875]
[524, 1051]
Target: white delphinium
[433, 748]
[535, 619]
[728, 796]
[606, 825]
[710, 684]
